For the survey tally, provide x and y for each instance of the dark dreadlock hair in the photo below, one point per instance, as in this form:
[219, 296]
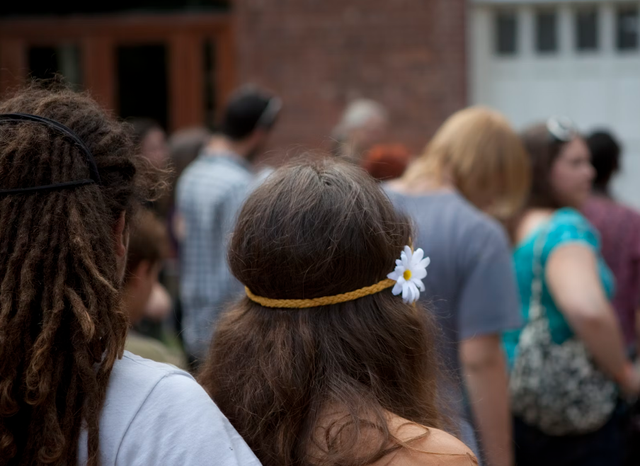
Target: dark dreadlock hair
[61, 323]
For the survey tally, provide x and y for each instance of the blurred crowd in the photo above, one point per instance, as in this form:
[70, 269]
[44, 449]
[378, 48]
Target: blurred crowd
[270, 285]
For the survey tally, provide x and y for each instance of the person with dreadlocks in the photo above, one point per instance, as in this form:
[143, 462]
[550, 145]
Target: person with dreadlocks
[69, 393]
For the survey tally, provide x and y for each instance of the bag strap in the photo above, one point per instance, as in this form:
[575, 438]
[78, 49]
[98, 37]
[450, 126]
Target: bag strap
[536, 310]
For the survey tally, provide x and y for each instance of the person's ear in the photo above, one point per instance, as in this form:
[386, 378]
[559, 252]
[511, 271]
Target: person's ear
[121, 236]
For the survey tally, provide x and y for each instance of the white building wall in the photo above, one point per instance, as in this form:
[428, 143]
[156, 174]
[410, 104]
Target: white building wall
[599, 89]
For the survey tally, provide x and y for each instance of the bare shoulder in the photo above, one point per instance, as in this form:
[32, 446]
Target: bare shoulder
[426, 446]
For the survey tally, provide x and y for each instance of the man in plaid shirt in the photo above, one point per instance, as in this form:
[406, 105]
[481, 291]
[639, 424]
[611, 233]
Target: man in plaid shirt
[209, 194]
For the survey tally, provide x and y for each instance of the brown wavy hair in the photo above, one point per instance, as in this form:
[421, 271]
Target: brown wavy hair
[61, 322]
[318, 228]
[543, 151]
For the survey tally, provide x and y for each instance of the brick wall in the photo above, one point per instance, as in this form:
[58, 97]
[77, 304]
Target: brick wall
[318, 54]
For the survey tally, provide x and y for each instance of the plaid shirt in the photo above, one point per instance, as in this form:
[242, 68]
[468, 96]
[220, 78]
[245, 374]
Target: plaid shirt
[210, 193]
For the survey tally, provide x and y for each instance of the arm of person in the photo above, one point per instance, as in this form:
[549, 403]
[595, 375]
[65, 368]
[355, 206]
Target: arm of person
[572, 277]
[488, 306]
[485, 375]
[179, 425]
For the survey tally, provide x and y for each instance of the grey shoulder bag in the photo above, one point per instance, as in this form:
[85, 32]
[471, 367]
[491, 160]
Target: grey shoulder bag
[556, 388]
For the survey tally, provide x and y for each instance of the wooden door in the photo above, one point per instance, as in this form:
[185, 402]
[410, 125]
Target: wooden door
[199, 50]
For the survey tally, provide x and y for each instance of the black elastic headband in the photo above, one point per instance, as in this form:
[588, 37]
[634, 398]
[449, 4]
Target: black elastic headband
[93, 168]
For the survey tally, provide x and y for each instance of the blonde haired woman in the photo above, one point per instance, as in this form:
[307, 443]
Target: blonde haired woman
[474, 172]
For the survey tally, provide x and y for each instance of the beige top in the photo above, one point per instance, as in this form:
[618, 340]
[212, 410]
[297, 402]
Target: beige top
[423, 446]
[150, 348]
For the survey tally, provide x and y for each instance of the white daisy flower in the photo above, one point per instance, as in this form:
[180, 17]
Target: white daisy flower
[410, 269]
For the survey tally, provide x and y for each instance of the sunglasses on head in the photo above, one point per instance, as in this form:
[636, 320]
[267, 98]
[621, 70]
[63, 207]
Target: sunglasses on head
[561, 129]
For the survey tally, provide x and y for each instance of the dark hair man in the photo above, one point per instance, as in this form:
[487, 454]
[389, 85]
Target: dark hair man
[209, 195]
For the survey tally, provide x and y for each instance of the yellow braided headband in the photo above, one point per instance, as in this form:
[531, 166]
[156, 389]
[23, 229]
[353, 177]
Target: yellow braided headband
[406, 279]
[324, 301]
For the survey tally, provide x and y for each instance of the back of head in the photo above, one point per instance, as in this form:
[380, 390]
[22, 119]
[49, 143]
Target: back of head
[151, 140]
[605, 157]
[148, 247]
[362, 124]
[484, 158]
[249, 109]
[359, 112]
[61, 324]
[543, 150]
[141, 127]
[148, 241]
[319, 228]
[184, 147]
[386, 161]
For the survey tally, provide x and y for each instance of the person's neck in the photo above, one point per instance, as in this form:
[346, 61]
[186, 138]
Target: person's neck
[601, 191]
[423, 186]
[530, 219]
[220, 143]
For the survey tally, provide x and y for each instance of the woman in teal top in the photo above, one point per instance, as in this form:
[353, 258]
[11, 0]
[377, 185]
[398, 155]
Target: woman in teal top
[576, 289]
[565, 226]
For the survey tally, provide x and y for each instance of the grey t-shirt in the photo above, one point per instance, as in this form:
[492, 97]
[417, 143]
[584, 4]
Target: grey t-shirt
[470, 287]
[157, 414]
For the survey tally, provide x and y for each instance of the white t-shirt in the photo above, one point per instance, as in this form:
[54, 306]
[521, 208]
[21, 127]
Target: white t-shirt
[156, 414]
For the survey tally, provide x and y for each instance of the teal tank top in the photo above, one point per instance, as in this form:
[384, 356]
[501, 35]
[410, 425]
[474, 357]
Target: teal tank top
[565, 226]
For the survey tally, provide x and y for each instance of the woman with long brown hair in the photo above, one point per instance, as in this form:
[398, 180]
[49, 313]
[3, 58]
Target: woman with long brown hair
[69, 183]
[321, 364]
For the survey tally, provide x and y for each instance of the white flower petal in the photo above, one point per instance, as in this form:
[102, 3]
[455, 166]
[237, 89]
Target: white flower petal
[406, 258]
[397, 289]
[419, 273]
[407, 251]
[406, 261]
[417, 295]
[409, 295]
[417, 257]
[412, 293]
[395, 275]
[399, 263]
[405, 293]
[425, 262]
[418, 283]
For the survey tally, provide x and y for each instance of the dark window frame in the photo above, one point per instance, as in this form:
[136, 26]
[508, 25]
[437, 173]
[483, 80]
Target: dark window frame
[584, 43]
[506, 25]
[629, 43]
[549, 44]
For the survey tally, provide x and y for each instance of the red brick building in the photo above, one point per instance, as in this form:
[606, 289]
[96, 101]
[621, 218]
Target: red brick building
[408, 54]
[317, 54]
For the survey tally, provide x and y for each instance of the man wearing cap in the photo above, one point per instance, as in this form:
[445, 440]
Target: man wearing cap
[210, 192]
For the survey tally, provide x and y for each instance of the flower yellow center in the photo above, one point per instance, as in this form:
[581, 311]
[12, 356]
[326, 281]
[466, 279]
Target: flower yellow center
[407, 274]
